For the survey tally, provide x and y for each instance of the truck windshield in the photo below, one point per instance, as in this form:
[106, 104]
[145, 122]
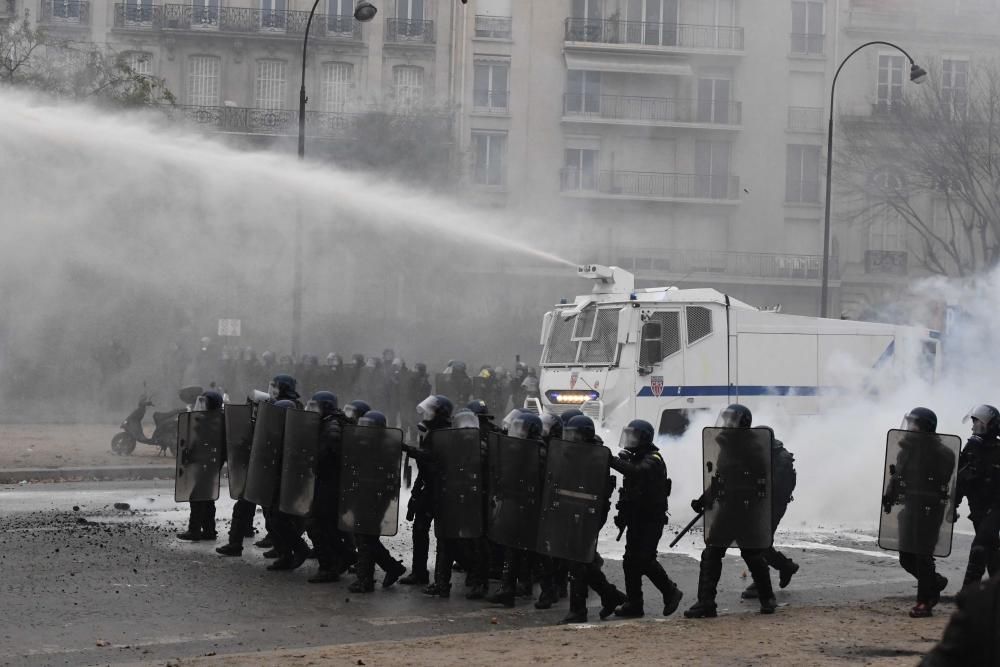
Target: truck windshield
[590, 338]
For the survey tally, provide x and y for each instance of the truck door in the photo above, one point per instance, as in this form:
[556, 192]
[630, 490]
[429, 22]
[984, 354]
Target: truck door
[660, 372]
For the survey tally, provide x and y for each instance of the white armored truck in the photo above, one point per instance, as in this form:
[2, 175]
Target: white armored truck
[660, 354]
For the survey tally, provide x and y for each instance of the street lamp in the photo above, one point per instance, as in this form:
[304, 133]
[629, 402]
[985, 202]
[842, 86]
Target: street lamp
[917, 75]
[365, 11]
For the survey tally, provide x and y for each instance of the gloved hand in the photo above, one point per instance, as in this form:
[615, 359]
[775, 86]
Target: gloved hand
[625, 455]
[698, 506]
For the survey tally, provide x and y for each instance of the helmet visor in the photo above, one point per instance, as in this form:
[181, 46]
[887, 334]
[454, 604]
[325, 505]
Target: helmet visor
[509, 420]
[574, 435]
[465, 419]
[428, 408]
[200, 404]
[351, 412]
[728, 419]
[910, 423]
[631, 439]
[520, 428]
[312, 406]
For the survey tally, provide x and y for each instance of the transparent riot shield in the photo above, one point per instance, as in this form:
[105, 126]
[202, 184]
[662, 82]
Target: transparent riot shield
[514, 490]
[575, 500]
[298, 462]
[458, 493]
[370, 462]
[201, 437]
[737, 479]
[239, 438]
[918, 490]
[264, 471]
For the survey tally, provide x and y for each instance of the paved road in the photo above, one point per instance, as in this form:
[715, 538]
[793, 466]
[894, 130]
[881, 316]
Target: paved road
[103, 586]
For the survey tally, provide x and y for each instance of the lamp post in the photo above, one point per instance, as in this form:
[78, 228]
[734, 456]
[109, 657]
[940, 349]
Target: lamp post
[917, 75]
[364, 11]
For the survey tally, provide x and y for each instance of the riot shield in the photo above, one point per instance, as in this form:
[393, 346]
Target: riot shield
[298, 462]
[514, 490]
[575, 500]
[239, 437]
[200, 439]
[919, 492]
[370, 461]
[264, 471]
[737, 478]
[458, 484]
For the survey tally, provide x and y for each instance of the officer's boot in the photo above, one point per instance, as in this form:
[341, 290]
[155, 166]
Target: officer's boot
[978, 562]
[506, 594]
[193, 532]
[208, 531]
[365, 569]
[762, 578]
[577, 601]
[611, 597]
[419, 575]
[633, 591]
[708, 580]
[525, 583]
[668, 589]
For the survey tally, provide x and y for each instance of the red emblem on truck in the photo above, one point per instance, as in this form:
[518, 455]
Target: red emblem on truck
[656, 384]
[573, 377]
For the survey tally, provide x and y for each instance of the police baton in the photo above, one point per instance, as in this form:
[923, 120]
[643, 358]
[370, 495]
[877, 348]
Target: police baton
[686, 529]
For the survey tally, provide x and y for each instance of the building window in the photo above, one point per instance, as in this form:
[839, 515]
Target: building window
[488, 150]
[270, 88]
[807, 27]
[409, 10]
[408, 85]
[955, 86]
[337, 86]
[140, 62]
[586, 9]
[340, 18]
[887, 233]
[583, 92]
[580, 171]
[713, 101]
[802, 174]
[889, 91]
[272, 14]
[652, 22]
[489, 90]
[711, 165]
[205, 13]
[203, 81]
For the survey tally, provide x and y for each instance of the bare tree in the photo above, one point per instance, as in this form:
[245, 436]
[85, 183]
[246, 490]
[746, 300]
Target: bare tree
[932, 162]
[18, 44]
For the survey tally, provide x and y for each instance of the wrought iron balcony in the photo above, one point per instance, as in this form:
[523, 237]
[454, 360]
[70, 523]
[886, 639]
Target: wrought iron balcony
[808, 44]
[651, 110]
[409, 31]
[650, 185]
[59, 12]
[493, 27]
[649, 34]
[281, 122]
[886, 261]
[724, 263]
[805, 119]
[234, 20]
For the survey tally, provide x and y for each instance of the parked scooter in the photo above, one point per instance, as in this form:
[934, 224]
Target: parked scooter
[164, 425]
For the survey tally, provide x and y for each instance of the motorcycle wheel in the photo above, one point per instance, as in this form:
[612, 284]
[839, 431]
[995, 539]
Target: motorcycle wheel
[122, 444]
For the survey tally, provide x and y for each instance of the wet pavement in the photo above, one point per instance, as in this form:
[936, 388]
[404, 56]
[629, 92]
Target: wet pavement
[82, 582]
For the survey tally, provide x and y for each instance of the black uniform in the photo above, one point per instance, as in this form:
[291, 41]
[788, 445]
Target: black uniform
[420, 510]
[972, 636]
[979, 483]
[332, 546]
[285, 529]
[642, 512]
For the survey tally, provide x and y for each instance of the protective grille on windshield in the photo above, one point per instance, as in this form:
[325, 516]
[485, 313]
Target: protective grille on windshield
[699, 320]
[601, 348]
[560, 348]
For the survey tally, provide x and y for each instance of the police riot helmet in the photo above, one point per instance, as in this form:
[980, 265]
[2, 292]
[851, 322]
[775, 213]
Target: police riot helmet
[638, 434]
[552, 426]
[580, 429]
[465, 418]
[509, 419]
[569, 414]
[323, 402]
[435, 407]
[267, 357]
[210, 400]
[985, 420]
[735, 416]
[373, 418]
[527, 426]
[283, 385]
[285, 404]
[921, 420]
[478, 407]
[356, 409]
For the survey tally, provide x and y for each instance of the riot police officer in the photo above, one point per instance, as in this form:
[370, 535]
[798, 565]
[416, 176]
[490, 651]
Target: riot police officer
[371, 551]
[554, 571]
[435, 413]
[735, 416]
[589, 575]
[286, 529]
[642, 513]
[321, 525]
[919, 524]
[201, 523]
[979, 483]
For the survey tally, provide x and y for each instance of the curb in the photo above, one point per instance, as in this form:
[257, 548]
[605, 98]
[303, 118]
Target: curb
[17, 475]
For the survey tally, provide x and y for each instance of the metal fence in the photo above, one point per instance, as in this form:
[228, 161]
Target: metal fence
[646, 33]
[887, 261]
[651, 185]
[805, 119]
[652, 109]
[284, 122]
[233, 19]
[407, 30]
[720, 262]
[493, 27]
[65, 11]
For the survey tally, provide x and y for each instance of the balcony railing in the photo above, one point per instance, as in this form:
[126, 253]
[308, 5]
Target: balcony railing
[720, 262]
[233, 19]
[491, 101]
[409, 31]
[886, 261]
[651, 185]
[73, 12]
[652, 109]
[805, 119]
[283, 122]
[644, 33]
[808, 44]
[493, 27]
